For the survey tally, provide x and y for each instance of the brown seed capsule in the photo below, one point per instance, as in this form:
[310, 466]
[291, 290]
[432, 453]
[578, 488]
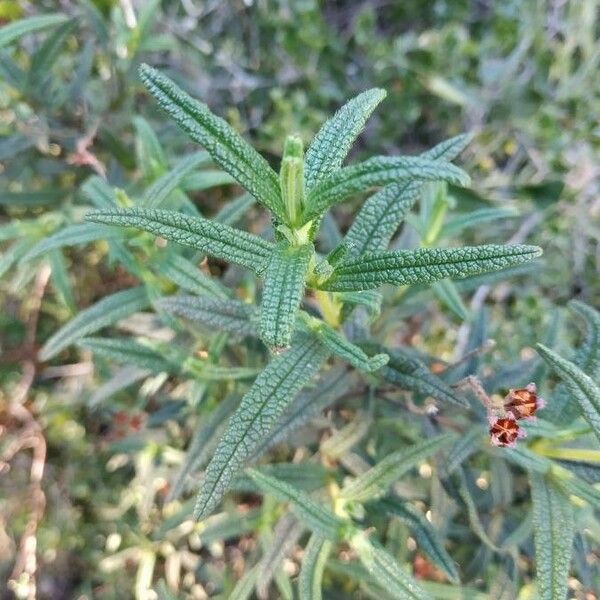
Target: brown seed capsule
[524, 402]
[504, 431]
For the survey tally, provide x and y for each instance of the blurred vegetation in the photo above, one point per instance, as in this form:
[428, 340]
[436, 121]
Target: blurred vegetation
[75, 123]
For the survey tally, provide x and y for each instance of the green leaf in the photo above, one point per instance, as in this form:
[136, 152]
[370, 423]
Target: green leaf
[381, 215]
[282, 293]
[229, 315]
[376, 481]
[13, 31]
[337, 344]
[582, 388]
[307, 405]
[332, 143]
[455, 225]
[245, 586]
[446, 291]
[206, 179]
[203, 443]
[587, 357]
[60, 279]
[424, 533]
[107, 311]
[216, 239]
[128, 351]
[386, 570]
[225, 146]
[162, 188]
[99, 193]
[311, 513]
[151, 158]
[313, 564]
[377, 171]
[259, 410]
[46, 55]
[189, 277]
[233, 211]
[412, 374]
[554, 530]
[424, 265]
[286, 534]
[71, 235]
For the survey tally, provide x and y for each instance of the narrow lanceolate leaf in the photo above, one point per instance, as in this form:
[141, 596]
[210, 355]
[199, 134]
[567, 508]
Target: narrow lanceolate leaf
[375, 482]
[376, 171]
[225, 146]
[245, 586]
[311, 513]
[337, 344]
[386, 571]
[13, 31]
[282, 293]
[455, 225]
[424, 265]
[313, 564]
[106, 312]
[129, 352]
[424, 533]
[189, 277]
[410, 373]
[332, 143]
[160, 190]
[233, 211]
[446, 291]
[307, 405]
[554, 530]
[582, 388]
[216, 239]
[71, 235]
[151, 158]
[229, 315]
[259, 410]
[203, 443]
[286, 534]
[381, 215]
[587, 357]
[99, 193]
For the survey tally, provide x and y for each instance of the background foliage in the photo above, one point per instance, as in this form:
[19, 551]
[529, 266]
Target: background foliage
[110, 517]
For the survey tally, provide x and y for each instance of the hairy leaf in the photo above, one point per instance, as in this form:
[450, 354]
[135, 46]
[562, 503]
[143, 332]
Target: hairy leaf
[376, 481]
[151, 158]
[225, 146]
[282, 293]
[105, 312]
[311, 513]
[456, 224]
[332, 143]
[424, 533]
[446, 291]
[259, 410]
[190, 278]
[377, 171]
[412, 374]
[203, 443]
[286, 534]
[381, 215]
[313, 564]
[71, 235]
[554, 529]
[386, 570]
[161, 189]
[13, 31]
[587, 357]
[337, 344]
[229, 315]
[580, 386]
[307, 405]
[128, 351]
[424, 265]
[216, 239]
